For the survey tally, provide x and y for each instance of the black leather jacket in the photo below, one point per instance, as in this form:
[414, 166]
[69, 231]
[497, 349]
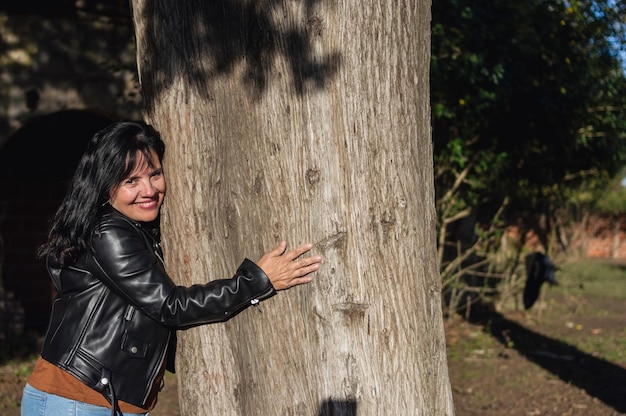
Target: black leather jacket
[114, 318]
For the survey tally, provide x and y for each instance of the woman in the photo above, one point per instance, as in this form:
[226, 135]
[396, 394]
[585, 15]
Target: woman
[112, 329]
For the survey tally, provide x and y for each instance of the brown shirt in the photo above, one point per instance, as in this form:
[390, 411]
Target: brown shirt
[51, 379]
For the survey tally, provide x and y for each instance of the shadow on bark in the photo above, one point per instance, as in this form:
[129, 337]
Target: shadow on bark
[332, 407]
[598, 378]
[200, 40]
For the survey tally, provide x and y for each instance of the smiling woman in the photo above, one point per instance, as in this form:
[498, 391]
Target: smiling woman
[140, 196]
[112, 331]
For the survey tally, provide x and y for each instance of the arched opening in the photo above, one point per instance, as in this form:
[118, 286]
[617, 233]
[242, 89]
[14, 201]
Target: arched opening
[36, 164]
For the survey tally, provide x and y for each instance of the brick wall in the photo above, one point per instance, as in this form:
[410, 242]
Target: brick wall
[606, 237]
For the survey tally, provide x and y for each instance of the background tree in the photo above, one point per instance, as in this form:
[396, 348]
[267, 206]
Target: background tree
[302, 120]
[528, 103]
[529, 93]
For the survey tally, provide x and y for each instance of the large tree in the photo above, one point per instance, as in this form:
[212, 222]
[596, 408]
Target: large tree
[303, 120]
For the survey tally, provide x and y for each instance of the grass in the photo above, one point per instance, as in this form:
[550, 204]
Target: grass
[596, 277]
[606, 348]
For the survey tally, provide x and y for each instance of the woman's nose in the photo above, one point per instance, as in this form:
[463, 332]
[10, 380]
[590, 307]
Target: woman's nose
[147, 188]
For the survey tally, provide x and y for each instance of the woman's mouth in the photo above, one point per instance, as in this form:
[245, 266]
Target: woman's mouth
[148, 204]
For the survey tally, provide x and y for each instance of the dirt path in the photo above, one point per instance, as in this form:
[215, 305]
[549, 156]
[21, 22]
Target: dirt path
[566, 360]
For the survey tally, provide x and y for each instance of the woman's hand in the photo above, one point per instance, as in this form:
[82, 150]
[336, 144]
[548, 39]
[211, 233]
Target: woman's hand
[286, 269]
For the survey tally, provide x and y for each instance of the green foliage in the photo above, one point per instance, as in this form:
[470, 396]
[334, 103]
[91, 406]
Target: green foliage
[612, 198]
[534, 91]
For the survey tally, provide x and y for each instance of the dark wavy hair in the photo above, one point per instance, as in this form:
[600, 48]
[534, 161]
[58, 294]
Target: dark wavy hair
[110, 156]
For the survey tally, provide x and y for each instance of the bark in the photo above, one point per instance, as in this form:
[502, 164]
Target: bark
[304, 121]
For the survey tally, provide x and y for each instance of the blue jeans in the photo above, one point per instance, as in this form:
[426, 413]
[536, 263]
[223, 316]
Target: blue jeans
[38, 403]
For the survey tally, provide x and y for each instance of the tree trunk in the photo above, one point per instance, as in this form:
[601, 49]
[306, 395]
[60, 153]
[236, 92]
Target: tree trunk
[616, 236]
[304, 121]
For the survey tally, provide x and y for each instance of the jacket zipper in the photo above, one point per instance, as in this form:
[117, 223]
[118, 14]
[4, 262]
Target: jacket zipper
[157, 369]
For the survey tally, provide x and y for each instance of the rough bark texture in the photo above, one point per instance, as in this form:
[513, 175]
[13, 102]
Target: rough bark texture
[308, 121]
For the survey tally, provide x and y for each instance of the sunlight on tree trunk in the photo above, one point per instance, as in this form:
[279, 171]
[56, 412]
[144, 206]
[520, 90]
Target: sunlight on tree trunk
[304, 121]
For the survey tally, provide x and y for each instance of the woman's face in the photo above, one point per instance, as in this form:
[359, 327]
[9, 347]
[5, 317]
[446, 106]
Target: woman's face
[139, 197]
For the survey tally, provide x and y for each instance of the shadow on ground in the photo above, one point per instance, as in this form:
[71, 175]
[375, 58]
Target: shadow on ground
[598, 378]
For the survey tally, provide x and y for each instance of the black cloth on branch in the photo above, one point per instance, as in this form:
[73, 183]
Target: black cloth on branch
[539, 269]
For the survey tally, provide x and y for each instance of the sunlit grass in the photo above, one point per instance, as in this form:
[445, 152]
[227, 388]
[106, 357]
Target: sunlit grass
[597, 277]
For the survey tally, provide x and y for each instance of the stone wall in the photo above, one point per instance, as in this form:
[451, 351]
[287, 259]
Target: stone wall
[66, 61]
[67, 70]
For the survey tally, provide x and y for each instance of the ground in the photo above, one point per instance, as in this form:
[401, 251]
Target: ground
[566, 356]
[566, 360]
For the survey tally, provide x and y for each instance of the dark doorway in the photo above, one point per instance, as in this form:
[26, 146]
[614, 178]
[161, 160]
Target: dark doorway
[36, 164]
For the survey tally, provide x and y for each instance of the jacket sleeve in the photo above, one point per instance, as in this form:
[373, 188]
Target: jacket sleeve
[217, 300]
[132, 269]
